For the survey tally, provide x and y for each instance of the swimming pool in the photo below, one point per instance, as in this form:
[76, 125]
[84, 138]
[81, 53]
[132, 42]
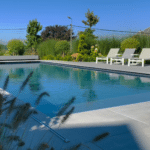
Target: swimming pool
[92, 89]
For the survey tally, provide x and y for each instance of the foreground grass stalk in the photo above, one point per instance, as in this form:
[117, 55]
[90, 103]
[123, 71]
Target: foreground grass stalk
[23, 112]
[12, 105]
[9, 145]
[62, 110]
[23, 133]
[2, 99]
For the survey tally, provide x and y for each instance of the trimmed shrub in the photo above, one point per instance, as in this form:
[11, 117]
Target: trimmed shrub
[62, 47]
[129, 43]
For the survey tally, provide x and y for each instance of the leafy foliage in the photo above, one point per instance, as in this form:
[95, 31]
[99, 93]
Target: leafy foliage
[62, 47]
[75, 44]
[67, 58]
[32, 38]
[82, 47]
[56, 32]
[91, 19]
[16, 47]
[6, 53]
[129, 43]
[79, 57]
[90, 38]
[93, 54]
[46, 48]
[144, 41]
[2, 49]
[89, 33]
[48, 57]
[58, 57]
[86, 58]
[30, 51]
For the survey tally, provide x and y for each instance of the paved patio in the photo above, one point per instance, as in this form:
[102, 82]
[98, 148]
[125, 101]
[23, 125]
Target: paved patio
[128, 125]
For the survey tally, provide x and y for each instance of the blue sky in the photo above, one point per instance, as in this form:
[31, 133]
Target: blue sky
[130, 15]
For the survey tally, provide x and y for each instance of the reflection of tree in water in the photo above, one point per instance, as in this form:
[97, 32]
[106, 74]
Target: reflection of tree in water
[34, 82]
[91, 95]
[17, 73]
[55, 72]
[84, 79]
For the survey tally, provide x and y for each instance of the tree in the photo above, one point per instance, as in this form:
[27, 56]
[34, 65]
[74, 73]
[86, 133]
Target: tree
[56, 32]
[32, 38]
[82, 47]
[62, 47]
[16, 47]
[91, 19]
[90, 38]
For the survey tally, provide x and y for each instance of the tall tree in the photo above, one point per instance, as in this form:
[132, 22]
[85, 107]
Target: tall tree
[91, 19]
[56, 32]
[32, 38]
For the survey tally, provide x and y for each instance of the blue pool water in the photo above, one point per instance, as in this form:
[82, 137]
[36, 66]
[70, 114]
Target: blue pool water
[89, 87]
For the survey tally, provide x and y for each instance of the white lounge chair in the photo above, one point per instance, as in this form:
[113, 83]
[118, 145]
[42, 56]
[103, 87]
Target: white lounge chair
[128, 53]
[145, 55]
[112, 53]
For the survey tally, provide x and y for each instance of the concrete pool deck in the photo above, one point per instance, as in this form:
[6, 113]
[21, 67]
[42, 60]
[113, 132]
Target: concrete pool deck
[128, 125]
